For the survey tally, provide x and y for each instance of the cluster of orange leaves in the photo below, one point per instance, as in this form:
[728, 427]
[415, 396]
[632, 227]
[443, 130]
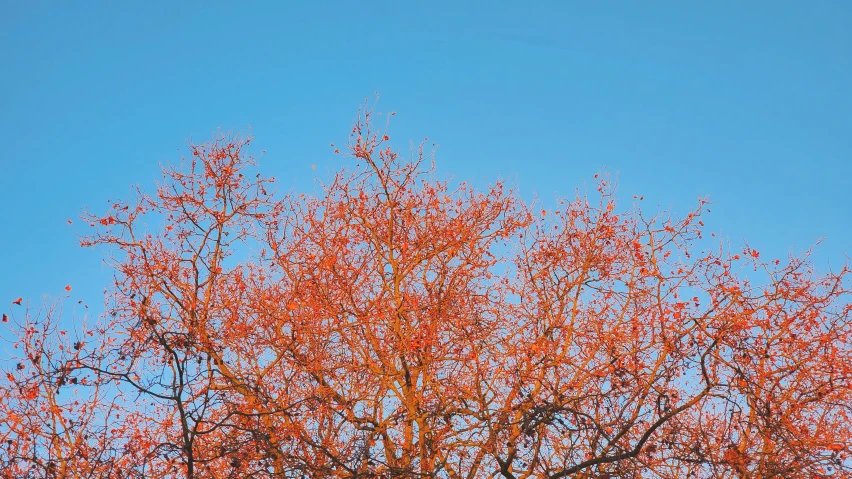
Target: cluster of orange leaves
[398, 326]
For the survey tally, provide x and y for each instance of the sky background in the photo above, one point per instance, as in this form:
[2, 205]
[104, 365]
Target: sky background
[749, 103]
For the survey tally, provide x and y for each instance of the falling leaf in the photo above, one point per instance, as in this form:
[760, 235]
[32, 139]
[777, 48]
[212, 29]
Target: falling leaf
[68, 288]
[18, 301]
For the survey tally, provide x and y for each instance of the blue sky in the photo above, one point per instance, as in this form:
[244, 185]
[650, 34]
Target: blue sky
[748, 103]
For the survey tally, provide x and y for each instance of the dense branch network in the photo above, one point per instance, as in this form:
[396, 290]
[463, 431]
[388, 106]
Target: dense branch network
[399, 327]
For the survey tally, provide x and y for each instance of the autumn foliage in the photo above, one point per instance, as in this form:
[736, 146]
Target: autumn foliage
[396, 326]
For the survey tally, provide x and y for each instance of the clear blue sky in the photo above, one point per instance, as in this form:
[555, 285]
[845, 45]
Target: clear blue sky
[749, 103]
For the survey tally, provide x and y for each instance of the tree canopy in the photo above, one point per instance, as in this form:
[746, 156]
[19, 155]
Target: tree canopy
[401, 326]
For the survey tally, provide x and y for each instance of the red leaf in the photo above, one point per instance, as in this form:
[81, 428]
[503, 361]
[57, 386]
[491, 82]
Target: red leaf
[68, 288]
[5, 318]
[18, 301]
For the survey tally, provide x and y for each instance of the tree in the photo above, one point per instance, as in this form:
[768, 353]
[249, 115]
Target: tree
[395, 326]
